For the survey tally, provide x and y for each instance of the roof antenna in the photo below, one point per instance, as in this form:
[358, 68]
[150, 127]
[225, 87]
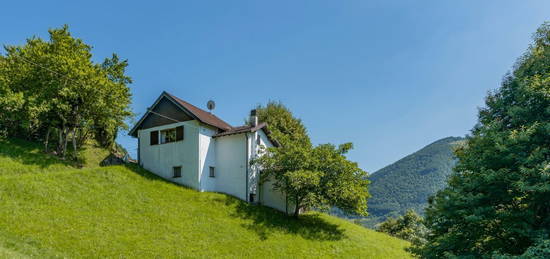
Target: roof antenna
[210, 105]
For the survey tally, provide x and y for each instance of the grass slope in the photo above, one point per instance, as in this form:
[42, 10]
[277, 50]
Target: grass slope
[50, 209]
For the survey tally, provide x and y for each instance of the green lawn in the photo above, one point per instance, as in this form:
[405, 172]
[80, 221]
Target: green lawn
[51, 209]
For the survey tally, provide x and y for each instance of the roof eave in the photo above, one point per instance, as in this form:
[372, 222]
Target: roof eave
[262, 126]
[133, 131]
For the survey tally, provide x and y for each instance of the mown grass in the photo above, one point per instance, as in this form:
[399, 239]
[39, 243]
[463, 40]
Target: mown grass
[49, 209]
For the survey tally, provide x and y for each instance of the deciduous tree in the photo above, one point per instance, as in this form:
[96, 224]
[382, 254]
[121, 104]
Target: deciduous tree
[409, 227]
[311, 177]
[285, 127]
[498, 200]
[52, 90]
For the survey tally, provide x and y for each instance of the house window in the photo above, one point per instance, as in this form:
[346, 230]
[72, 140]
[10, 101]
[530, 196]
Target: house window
[167, 136]
[179, 133]
[154, 137]
[212, 172]
[170, 135]
[177, 171]
[258, 140]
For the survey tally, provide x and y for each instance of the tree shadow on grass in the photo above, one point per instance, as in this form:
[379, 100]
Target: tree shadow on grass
[266, 220]
[30, 153]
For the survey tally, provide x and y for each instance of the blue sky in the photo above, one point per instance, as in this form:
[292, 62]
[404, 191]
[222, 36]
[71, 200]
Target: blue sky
[389, 76]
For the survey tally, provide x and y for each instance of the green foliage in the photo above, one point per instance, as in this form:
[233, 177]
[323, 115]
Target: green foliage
[540, 250]
[311, 177]
[407, 183]
[409, 227]
[53, 210]
[302, 186]
[343, 185]
[285, 128]
[498, 199]
[51, 91]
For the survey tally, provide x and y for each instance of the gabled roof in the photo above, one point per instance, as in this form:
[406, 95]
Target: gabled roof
[204, 117]
[195, 112]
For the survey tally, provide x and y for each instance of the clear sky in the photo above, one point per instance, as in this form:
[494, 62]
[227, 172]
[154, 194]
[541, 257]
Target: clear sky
[389, 76]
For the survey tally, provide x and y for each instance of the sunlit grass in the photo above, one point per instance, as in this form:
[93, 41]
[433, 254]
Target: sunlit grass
[48, 208]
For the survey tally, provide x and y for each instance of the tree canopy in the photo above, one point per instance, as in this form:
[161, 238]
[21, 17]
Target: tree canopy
[311, 177]
[282, 124]
[409, 227]
[53, 92]
[497, 203]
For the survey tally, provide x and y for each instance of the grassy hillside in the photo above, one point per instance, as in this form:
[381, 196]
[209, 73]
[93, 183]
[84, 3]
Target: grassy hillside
[49, 208]
[407, 183]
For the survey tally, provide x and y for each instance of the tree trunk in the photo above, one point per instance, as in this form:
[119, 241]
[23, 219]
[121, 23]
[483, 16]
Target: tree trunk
[47, 139]
[297, 207]
[82, 136]
[74, 140]
[65, 139]
[76, 120]
[296, 211]
[60, 141]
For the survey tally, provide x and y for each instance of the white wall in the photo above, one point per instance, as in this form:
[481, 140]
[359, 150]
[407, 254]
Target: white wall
[252, 170]
[207, 158]
[268, 196]
[274, 199]
[160, 159]
[198, 151]
[231, 165]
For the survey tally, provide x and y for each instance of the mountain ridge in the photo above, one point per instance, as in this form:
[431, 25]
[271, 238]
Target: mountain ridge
[408, 182]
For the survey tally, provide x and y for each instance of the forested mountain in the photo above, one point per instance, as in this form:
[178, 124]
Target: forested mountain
[407, 183]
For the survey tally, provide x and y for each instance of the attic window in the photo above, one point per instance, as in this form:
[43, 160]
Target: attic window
[154, 137]
[171, 135]
[167, 136]
[258, 140]
[179, 133]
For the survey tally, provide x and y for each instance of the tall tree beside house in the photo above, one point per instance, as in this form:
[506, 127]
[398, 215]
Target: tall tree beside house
[311, 177]
[497, 203]
[282, 124]
[52, 91]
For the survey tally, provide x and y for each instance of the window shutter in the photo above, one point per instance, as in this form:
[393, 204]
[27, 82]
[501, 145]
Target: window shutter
[154, 137]
[179, 133]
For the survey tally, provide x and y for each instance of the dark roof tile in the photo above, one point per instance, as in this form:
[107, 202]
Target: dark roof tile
[202, 115]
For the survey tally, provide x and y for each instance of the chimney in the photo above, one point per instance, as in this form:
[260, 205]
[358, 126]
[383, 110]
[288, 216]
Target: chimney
[253, 118]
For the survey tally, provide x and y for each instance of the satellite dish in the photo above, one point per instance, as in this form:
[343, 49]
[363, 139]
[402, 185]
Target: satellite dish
[211, 105]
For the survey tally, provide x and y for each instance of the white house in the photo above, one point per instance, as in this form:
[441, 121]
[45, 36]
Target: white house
[189, 146]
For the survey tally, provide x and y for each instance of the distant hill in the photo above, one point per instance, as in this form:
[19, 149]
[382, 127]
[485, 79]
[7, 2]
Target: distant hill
[407, 183]
[52, 209]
